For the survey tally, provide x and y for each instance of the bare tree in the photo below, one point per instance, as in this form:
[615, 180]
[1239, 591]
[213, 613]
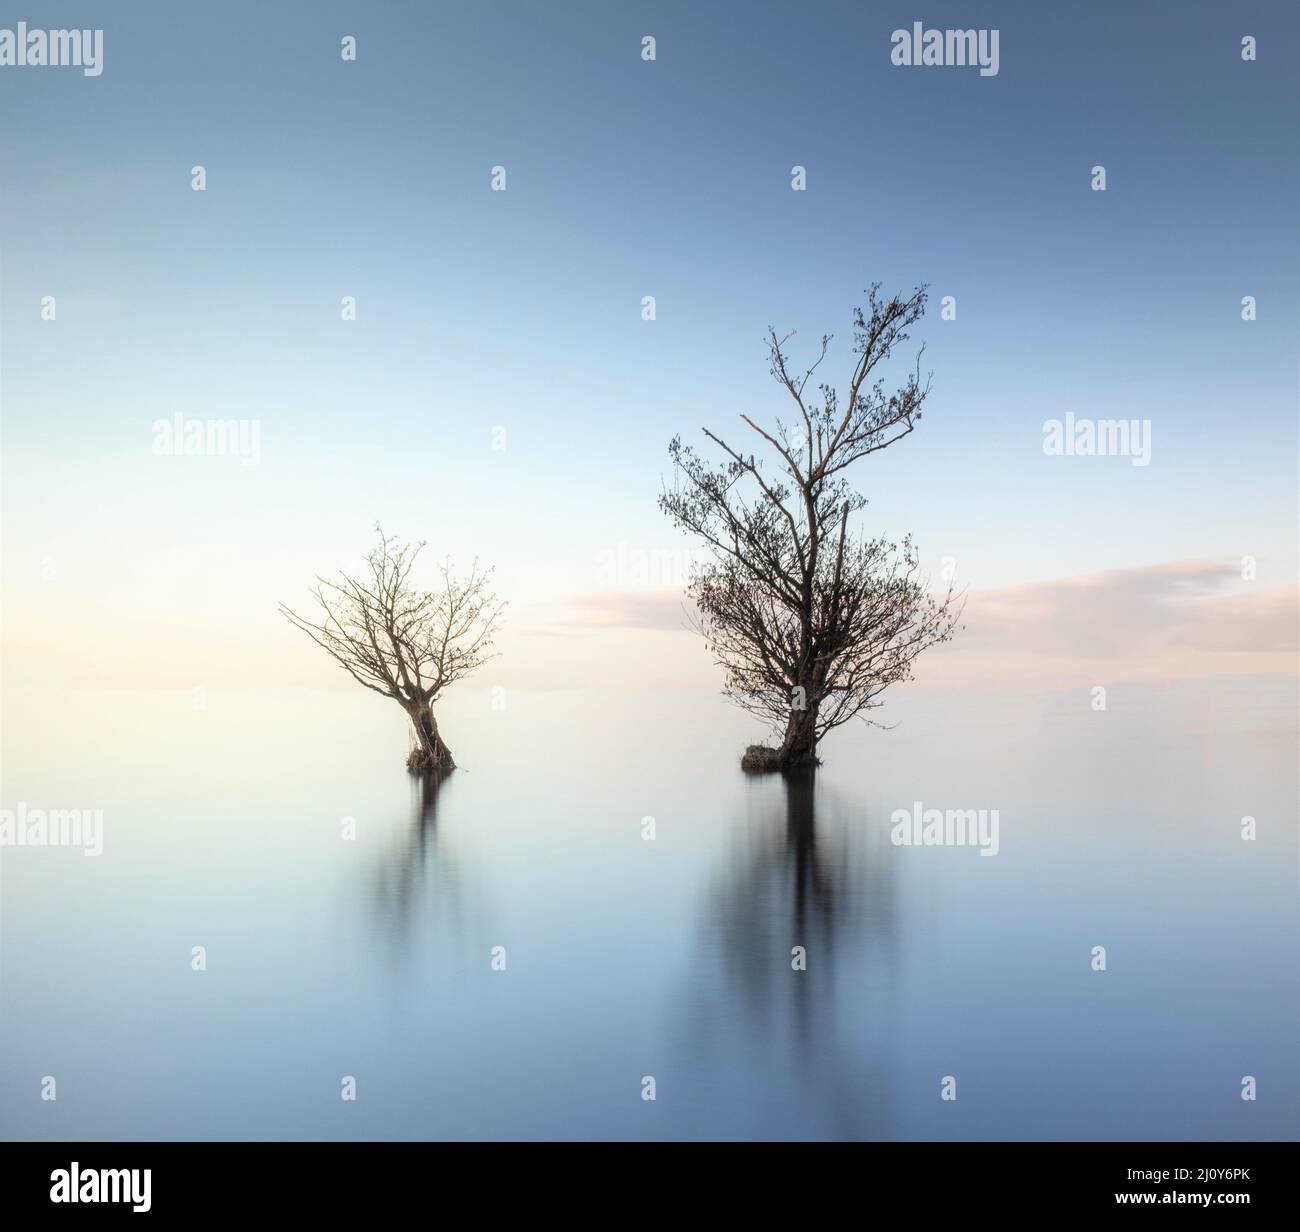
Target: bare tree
[406, 643]
[810, 621]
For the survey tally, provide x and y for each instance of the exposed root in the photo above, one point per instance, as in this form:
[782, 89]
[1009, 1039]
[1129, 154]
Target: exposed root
[760, 759]
[420, 761]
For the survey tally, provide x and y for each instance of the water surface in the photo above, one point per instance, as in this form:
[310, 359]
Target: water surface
[671, 957]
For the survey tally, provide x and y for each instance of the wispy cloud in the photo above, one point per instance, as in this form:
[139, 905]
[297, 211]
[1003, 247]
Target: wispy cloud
[663, 608]
[1170, 621]
[1178, 619]
[1199, 605]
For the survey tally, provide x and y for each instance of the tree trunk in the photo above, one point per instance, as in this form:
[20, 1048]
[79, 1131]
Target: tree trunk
[798, 749]
[430, 754]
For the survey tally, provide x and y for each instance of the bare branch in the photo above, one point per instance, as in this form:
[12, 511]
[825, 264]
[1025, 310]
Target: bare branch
[403, 642]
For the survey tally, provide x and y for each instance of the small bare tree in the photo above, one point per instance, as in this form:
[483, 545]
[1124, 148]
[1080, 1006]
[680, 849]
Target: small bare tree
[406, 643]
[809, 621]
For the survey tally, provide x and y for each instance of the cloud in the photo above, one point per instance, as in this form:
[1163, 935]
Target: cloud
[665, 609]
[1173, 621]
[1197, 605]
[1180, 619]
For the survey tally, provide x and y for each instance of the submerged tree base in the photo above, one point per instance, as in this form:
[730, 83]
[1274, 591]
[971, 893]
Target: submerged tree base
[759, 759]
[421, 761]
[763, 759]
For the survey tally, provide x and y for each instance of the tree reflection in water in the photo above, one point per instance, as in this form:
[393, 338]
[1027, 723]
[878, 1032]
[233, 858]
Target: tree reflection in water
[806, 871]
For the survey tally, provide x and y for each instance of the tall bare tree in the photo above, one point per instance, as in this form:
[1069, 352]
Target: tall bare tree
[403, 642]
[809, 620]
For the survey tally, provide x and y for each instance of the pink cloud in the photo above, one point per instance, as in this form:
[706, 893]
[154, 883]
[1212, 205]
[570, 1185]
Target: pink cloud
[1125, 613]
[1175, 620]
[665, 609]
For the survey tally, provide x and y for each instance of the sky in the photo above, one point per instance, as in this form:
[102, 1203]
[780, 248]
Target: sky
[515, 317]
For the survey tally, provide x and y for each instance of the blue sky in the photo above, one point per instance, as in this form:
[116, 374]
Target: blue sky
[625, 178]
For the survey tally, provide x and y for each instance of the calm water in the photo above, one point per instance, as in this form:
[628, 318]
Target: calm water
[670, 957]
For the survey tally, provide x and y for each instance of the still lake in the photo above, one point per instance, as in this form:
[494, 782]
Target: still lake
[670, 957]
